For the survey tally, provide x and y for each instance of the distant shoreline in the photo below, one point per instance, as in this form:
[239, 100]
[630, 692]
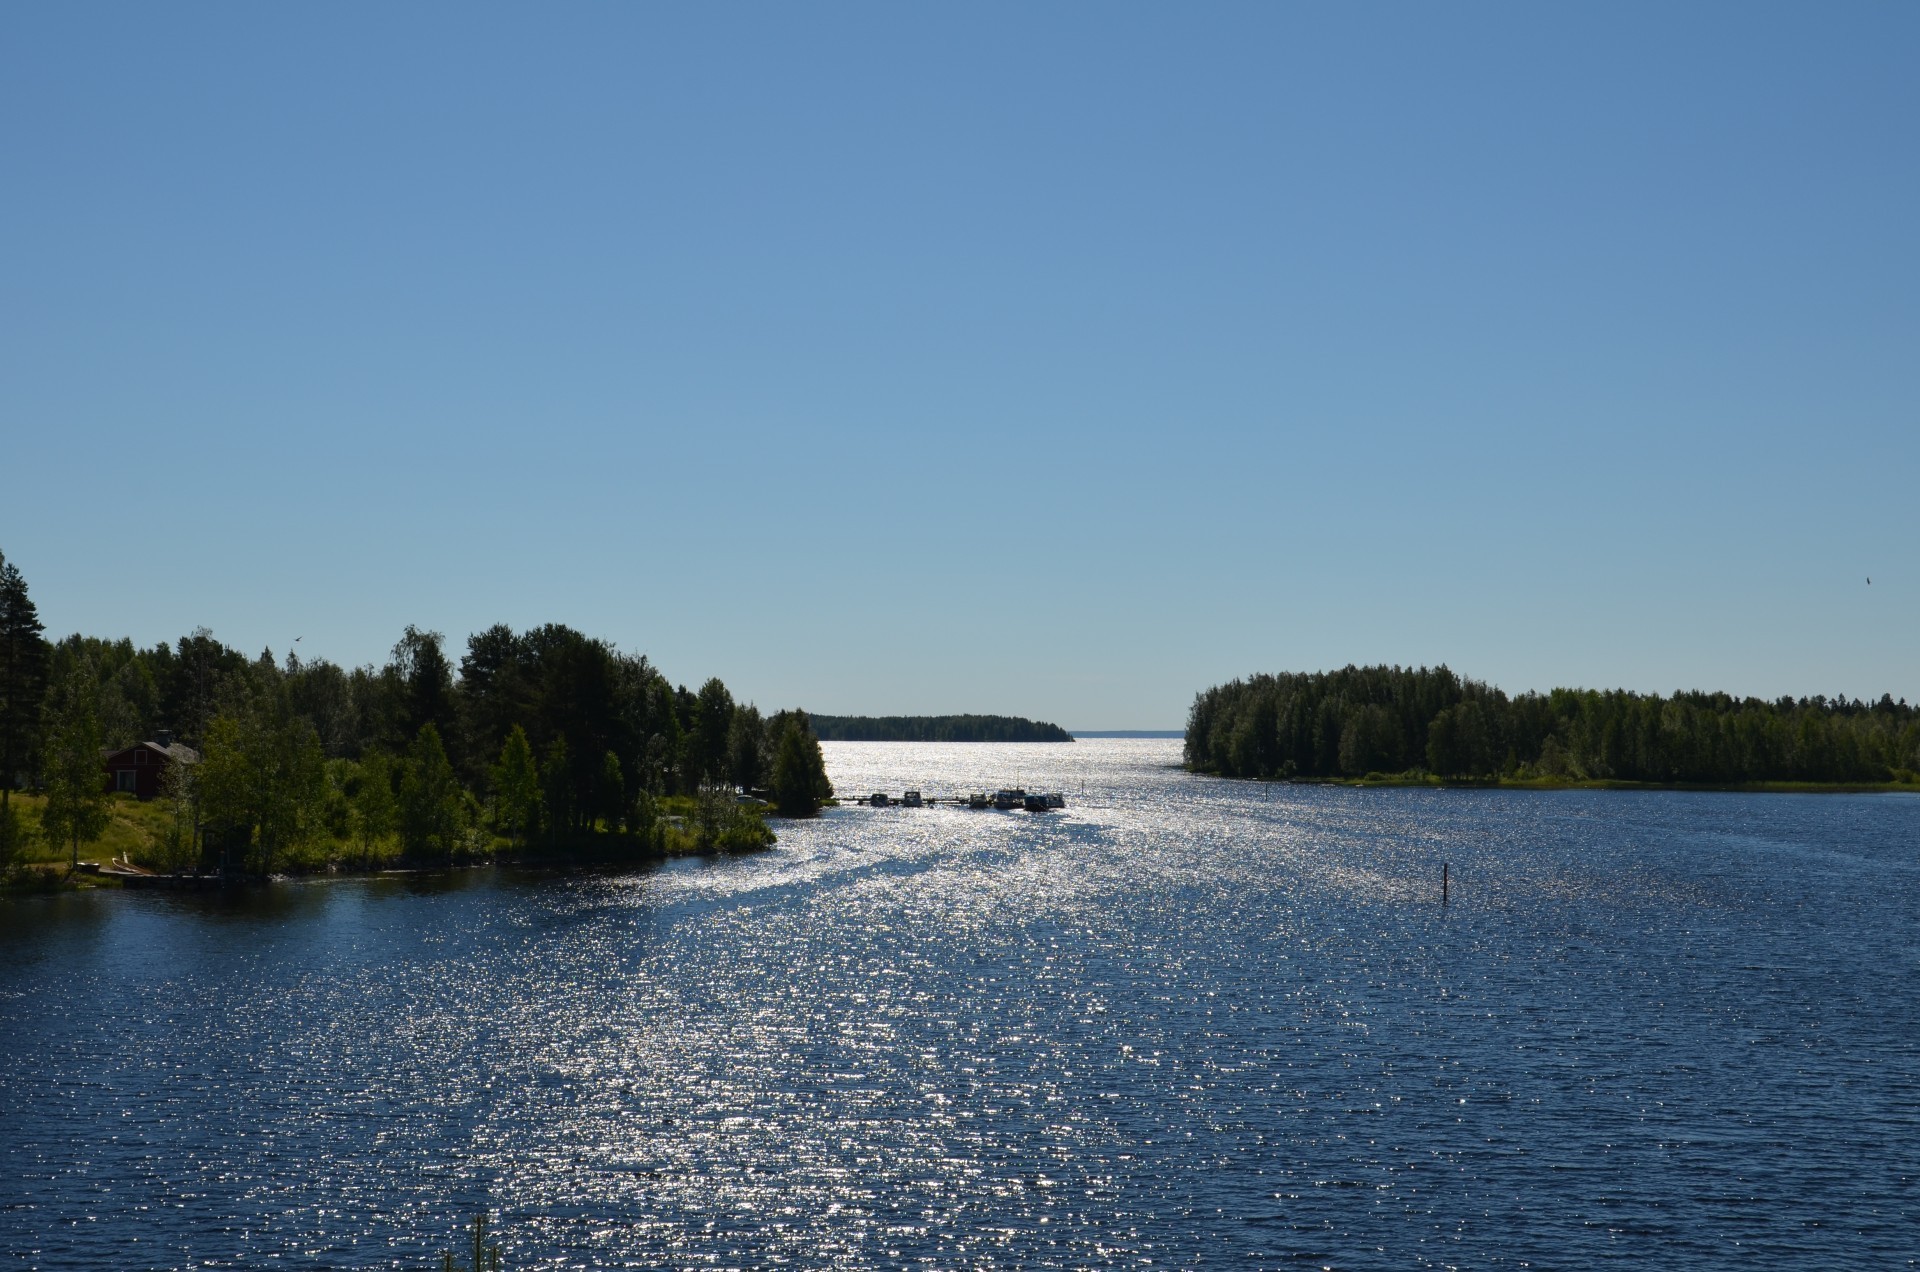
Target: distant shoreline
[1430, 782]
[1403, 724]
[944, 728]
[1128, 733]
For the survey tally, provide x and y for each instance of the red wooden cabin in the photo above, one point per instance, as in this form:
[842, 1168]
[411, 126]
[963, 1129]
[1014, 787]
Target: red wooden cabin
[140, 767]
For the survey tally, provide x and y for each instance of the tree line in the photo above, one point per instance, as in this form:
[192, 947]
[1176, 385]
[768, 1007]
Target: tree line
[946, 728]
[1428, 721]
[546, 738]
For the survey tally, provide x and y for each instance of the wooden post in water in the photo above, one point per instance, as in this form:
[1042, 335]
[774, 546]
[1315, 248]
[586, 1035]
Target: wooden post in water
[1443, 885]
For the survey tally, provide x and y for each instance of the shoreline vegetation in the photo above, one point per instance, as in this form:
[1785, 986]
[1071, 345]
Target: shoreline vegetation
[541, 748]
[946, 728]
[1395, 726]
[1423, 778]
[132, 849]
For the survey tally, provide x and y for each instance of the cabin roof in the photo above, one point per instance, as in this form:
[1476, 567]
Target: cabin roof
[179, 751]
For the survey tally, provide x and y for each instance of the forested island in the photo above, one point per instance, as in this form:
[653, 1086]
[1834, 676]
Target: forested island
[1394, 723]
[946, 728]
[543, 744]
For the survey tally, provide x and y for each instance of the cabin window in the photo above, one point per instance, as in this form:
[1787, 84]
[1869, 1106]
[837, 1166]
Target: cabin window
[124, 780]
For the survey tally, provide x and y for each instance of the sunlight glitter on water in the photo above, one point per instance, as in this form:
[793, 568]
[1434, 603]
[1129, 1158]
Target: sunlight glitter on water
[1182, 1021]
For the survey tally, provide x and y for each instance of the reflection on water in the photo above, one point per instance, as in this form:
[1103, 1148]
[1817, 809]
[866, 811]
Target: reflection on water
[1185, 1021]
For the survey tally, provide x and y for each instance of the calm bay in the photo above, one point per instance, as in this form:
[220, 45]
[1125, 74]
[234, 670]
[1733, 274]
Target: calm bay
[1185, 1021]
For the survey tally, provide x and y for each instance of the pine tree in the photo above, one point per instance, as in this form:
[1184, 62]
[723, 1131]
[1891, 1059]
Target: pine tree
[713, 721]
[425, 681]
[23, 677]
[800, 782]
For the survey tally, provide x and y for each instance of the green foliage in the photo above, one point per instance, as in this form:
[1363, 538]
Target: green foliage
[76, 808]
[1554, 762]
[516, 787]
[721, 824]
[747, 760]
[262, 780]
[376, 812]
[226, 807]
[557, 685]
[1458, 741]
[23, 678]
[432, 805]
[336, 811]
[294, 795]
[325, 695]
[558, 789]
[133, 829]
[178, 844]
[610, 792]
[424, 681]
[13, 836]
[192, 678]
[800, 782]
[643, 819]
[712, 726]
[1370, 740]
[1363, 720]
[948, 728]
[614, 737]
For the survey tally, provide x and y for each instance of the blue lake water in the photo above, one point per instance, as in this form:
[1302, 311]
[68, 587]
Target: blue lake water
[1185, 1022]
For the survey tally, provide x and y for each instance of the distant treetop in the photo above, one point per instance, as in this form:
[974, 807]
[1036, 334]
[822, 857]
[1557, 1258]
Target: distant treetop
[947, 728]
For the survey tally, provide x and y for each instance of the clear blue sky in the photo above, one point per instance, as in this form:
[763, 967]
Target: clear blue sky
[1058, 360]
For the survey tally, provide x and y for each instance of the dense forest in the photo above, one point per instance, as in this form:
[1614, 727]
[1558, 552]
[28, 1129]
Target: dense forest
[543, 740]
[1378, 721]
[947, 728]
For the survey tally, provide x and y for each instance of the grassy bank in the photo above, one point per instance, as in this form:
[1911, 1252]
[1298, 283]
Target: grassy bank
[136, 831]
[132, 830]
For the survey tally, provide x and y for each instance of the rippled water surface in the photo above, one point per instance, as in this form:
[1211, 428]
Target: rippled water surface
[1184, 1022]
